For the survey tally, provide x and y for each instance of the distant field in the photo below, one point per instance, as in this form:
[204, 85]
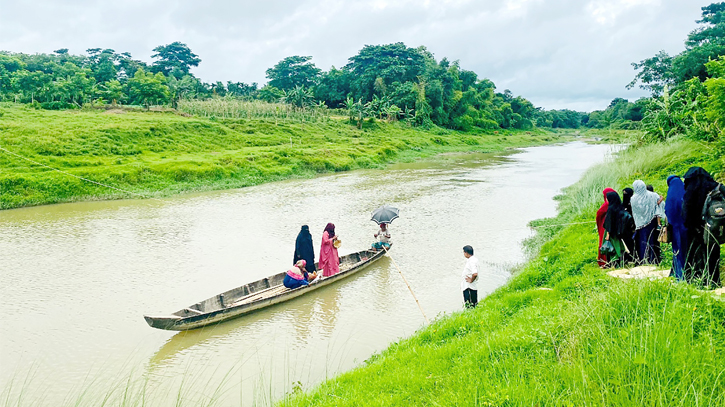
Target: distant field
[163, 153]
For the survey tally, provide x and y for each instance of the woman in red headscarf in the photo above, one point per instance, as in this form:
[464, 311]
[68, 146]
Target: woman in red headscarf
[601, 214]
[329, 259]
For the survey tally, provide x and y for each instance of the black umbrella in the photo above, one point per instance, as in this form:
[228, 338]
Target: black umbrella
[385, 214]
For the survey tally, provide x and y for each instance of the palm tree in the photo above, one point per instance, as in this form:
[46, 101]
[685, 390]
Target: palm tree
[349, 105]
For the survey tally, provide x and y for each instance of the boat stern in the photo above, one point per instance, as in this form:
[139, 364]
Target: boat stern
[168, 322]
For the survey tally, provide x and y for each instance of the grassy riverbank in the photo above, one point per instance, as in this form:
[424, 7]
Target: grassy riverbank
[163, 153]
[562, 333]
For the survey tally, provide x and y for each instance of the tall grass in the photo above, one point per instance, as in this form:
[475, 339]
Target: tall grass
[230, 108]
[162, 153]
[561, 332]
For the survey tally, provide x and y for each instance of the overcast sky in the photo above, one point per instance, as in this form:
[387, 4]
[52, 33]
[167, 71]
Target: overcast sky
[557, 53]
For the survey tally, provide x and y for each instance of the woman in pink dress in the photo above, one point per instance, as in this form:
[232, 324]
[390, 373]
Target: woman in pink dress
[329, 260]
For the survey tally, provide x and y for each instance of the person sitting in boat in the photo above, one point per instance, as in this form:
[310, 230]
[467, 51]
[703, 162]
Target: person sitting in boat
[297, 276]
[383, 236]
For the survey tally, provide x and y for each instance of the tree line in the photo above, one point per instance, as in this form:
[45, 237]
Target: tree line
[391, 81]
[688, 89]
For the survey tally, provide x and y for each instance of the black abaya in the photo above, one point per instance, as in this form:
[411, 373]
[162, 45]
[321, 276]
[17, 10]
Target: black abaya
[703, 261]
[304, 250]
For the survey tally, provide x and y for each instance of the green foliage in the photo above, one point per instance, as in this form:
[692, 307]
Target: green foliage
[174, 59]
[391, 82]
[702, 45]
[715, 103]
[229, 143]
[299, 96]
[147, 89]
[270, 94]
[687, 88]
[560, 332]
[292, 72]
[620, 114]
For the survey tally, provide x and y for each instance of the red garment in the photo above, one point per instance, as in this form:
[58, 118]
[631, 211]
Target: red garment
[329, 260]
[601, 214]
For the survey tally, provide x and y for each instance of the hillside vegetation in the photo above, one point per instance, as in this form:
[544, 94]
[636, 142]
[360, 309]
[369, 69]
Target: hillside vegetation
[161, 153]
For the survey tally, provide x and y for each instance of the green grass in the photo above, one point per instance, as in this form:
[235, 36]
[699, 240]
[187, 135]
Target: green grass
[162, 153]
[561, 332]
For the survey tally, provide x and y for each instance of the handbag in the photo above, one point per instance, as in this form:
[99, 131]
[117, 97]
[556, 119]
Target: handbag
[665, 234]
[607, 248]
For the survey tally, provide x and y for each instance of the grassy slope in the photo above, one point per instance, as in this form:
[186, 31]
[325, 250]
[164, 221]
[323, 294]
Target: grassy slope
[561, 332]
[156, 153]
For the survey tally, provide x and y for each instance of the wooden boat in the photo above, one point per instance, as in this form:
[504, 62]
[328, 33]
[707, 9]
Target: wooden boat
[254, 296]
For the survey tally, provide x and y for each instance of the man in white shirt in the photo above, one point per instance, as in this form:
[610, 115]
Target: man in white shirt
[469, 284]
[383, 236]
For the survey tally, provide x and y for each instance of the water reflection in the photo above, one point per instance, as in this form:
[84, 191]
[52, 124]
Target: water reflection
[76, 279]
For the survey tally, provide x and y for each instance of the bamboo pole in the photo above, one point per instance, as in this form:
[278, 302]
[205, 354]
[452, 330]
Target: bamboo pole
[406, 283]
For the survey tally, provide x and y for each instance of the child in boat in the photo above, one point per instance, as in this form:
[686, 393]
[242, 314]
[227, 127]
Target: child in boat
[297, 276]
[383, 236]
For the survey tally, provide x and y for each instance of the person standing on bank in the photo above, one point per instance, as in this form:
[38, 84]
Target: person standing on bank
[673, 211]
[646, 214]
[629, 257]
[469, 284]
[602, 259]
[703, 260]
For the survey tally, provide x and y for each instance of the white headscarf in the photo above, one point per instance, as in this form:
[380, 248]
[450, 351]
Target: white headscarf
[644, 204]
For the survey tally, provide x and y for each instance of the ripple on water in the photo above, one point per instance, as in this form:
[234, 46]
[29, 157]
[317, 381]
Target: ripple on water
[76, 279]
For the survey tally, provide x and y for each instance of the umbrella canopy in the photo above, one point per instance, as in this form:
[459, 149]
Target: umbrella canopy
[385, 214]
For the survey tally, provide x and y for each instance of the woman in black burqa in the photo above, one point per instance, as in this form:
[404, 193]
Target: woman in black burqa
[618, 223]
[304, 250]
[703, 262]
[628, 240]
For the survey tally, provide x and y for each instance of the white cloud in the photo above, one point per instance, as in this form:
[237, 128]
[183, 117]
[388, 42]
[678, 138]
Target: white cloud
[557, 53]
[607, 11]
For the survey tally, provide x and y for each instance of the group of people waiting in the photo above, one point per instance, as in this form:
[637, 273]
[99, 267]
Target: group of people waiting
[633, 227]
[304, 271]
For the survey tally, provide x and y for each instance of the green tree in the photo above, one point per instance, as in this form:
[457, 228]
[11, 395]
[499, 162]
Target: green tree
[111, 91]
[174, 55]
[270, 94]
[103, 64]
[705, 43]
[391, 62]
[292, 72]
[333, 87]
[715, 105]
[299, 96]
[148, 89]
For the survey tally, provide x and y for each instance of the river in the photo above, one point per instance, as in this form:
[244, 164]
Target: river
[76, 279]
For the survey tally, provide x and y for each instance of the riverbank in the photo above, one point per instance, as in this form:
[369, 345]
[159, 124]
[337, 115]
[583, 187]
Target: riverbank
[154, 154]
[561, 332]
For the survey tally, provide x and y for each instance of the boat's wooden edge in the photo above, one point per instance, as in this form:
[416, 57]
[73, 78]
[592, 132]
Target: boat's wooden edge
[178, 323]
[162, 322]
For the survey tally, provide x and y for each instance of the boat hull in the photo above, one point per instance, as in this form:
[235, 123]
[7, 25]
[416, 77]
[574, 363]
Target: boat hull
[254, 296]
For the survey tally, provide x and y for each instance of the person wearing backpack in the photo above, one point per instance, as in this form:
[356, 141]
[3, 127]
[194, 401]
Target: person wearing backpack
[628, 240]
[617, 223]
[703, 258]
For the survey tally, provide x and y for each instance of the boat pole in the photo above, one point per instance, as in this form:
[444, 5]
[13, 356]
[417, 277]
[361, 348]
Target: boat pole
[406, 283]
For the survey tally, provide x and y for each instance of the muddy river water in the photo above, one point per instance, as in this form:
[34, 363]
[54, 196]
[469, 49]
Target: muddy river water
[76, 279]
